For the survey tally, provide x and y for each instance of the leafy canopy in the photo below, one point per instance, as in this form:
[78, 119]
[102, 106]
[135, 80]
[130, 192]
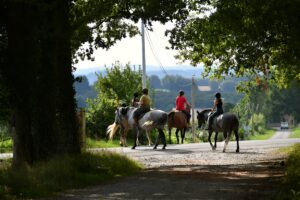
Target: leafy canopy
[238, 37]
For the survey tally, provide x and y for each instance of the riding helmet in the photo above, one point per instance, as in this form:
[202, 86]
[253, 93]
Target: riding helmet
[218, 95]
[145, 91]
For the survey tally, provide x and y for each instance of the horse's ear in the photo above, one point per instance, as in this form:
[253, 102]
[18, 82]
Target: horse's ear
[198, 112]
[124, 110]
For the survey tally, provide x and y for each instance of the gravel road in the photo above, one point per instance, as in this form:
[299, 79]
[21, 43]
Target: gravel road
[194, 171]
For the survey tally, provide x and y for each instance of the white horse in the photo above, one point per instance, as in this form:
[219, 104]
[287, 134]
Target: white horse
[150, 120]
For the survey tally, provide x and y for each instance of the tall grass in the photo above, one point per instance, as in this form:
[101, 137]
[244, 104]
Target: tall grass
[63, 172]
[295, 133]
[266, 135]
[5, 146]
[290, 188]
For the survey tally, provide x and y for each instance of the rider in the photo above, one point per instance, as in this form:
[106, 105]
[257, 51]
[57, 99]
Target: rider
[218, 105]
[135, 100]
[144, 105]
[182, 103]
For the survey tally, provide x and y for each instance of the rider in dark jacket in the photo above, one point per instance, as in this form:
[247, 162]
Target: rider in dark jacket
[216, 110]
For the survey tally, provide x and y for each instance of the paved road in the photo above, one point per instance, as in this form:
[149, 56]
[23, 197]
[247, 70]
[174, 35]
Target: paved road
[281, 134]
[194, 171]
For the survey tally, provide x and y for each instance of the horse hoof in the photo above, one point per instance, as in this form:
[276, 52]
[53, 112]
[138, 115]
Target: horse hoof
[154, 147]
[133, 147]
[223, 150]
[214, 148]
[164, 147]
[237, 151]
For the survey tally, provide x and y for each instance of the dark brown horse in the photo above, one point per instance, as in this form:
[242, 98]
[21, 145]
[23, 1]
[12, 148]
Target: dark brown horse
[225, 123]
[177, 119]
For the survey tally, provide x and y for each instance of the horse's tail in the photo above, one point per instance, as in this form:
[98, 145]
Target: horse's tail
[111, 130]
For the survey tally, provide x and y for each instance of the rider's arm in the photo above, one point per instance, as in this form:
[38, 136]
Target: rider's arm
[215, 105]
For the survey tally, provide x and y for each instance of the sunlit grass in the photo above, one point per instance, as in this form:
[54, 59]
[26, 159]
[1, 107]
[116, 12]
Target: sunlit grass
[295, 133]
[267, 135]
[63, 172]
[6, 146]
[290, 187]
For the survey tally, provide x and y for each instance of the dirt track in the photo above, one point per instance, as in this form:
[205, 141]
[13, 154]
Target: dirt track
[194, 171]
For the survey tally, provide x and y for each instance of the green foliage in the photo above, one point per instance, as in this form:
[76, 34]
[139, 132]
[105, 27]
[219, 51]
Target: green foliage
[6, 145]
[257, 123]
[239, 37]
[64, 172]
[290, 188]
[102, 23]
[295, 133]
[267, 134]
[115, 88]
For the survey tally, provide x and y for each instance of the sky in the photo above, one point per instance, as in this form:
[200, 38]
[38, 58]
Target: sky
[129, 50]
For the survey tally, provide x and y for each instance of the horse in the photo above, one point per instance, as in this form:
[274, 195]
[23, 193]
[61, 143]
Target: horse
[150, 120]
[178, 120]
[225, 123]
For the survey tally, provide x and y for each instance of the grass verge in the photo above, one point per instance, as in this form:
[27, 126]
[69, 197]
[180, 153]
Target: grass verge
[290, 187]
[5, 146]
[267, 135]
[61, 173]
[295, 133]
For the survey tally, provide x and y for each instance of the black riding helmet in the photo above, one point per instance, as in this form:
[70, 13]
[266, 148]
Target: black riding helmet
[145, 91]
[218, 95]
[181, 92]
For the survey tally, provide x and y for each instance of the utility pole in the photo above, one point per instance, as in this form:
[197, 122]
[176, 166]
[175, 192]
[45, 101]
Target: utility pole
[193, 107]
[143, 54]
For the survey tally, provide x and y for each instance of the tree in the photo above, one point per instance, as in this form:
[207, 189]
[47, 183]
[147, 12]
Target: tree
[239, 37]
[115, 88]
[40, 40]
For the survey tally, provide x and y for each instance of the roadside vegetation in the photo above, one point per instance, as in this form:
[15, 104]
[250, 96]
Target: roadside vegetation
[61, 173]
[295, 133]
[290, 187]
[266, 135]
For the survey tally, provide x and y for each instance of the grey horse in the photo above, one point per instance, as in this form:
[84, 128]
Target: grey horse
[225, 123]
[150, 120]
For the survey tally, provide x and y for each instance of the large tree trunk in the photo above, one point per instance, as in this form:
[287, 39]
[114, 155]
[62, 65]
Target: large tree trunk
[39, 77]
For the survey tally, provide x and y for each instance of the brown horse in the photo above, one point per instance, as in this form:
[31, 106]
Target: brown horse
[178, 120]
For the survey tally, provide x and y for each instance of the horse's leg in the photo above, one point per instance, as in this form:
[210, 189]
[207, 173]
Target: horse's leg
[182, 135]
[236, 133]
[135, 136]
[125, 135]
[216, 138]
[209, 136]
[177, 130]
[170, 141]
[157, 140]
[227, 140]
[149, 138]
[163, 138]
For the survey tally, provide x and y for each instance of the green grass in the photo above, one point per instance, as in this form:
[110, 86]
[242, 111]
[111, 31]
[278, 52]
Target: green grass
[290, 187]
[6, 146]
[295, 133]
[61, 173]
[267, 135]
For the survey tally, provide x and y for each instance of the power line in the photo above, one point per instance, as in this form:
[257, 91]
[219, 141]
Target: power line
[154, 53]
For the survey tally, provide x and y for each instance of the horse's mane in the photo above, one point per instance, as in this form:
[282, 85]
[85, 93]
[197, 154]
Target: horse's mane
[205, 110]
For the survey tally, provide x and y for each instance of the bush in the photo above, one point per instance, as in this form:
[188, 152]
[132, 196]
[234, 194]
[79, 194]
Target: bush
[64, 172]
[257, 123]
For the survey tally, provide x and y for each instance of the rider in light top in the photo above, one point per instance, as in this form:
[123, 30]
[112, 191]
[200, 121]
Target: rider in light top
[135, 100]
[181, 104]
[216, 110]
[144, 105]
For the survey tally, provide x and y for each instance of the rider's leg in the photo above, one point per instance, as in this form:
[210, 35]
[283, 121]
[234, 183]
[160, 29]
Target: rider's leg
[210, 120]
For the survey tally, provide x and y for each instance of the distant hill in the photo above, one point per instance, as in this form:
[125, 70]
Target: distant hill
[182, 70]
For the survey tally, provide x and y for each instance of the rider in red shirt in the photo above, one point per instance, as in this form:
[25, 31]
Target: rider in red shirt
[181, 104]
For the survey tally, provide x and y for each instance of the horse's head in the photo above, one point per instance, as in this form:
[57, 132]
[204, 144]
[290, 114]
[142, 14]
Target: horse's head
[202, 117]
[121, 114]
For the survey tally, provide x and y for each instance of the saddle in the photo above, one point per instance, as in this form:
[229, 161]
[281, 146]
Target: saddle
[217, 121]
